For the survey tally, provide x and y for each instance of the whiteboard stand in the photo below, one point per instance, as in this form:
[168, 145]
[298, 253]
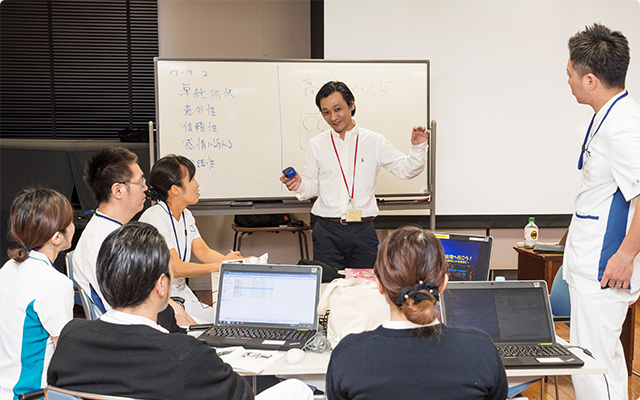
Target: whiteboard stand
[431, 177]
[151, 146]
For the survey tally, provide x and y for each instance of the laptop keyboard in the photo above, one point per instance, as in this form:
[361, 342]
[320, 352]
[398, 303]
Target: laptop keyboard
[261, 333]
[533, 351]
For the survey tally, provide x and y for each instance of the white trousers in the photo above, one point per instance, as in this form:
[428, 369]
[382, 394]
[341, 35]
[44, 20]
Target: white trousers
[202, 313]
[597, 316]
[291, 389]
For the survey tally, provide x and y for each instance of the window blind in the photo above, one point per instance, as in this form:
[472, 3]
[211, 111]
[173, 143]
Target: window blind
[74, 69]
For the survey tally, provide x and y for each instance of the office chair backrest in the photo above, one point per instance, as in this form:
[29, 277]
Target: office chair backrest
[559, 298]
[91, 311]
[55, 393]
[68, 258]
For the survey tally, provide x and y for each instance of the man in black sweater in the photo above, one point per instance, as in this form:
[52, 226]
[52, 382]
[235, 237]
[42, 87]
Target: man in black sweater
[126, 353]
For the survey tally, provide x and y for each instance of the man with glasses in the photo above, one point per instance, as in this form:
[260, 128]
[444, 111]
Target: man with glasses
[126, 353]
[119, 186]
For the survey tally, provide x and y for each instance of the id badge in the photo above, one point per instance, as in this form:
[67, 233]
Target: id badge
[354, 216]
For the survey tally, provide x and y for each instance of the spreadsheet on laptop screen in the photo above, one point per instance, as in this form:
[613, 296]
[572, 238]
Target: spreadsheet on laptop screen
[507, 315]
[268, 298]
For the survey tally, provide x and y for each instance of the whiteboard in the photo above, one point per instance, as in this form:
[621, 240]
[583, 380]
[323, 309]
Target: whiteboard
[242, 122]
[509, 130]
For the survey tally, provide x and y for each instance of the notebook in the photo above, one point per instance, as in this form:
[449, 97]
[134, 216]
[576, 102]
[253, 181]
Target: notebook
[468, 256]
[517, 316]
[263, 306]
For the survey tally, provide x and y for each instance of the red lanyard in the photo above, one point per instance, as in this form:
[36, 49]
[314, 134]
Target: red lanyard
[355, 157]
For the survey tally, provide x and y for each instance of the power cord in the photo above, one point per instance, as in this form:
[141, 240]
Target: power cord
[587, 352]
[318, 343]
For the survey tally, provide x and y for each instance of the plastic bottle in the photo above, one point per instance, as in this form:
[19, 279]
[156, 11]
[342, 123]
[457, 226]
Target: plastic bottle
[530, 234]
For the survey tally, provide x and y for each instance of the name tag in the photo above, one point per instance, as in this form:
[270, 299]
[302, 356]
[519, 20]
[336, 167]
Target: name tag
[354, 216]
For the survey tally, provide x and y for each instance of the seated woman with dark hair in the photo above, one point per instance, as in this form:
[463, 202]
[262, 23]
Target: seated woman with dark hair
[173, 185]
[414, 356]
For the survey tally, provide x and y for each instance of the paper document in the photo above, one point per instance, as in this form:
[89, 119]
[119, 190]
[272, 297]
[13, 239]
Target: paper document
[263, 259]
[251, 361]
[548, 248]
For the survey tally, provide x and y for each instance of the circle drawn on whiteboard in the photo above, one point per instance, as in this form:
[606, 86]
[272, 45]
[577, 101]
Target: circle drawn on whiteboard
[309, 127]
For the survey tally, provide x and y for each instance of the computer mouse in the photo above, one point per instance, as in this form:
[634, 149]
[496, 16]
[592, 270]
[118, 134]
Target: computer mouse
[294, 356]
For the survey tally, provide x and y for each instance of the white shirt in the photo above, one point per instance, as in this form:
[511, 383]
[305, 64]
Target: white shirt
[608, 195]
[121, 318]
[36, 302]
[85, 256]
[322, 176]
[388, 324]
[179, 235]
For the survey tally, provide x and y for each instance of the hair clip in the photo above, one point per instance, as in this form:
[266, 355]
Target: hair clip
[418, 296]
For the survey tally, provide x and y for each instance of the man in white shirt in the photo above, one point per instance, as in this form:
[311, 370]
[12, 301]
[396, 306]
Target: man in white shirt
[119, 186]
[341, 168]
[126, 353]
[601, 257]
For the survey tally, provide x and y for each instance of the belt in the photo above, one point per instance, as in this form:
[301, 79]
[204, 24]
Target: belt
[345, 222]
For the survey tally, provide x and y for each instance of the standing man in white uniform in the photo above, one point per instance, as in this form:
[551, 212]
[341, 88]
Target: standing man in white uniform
[601, 257]
[341, 168]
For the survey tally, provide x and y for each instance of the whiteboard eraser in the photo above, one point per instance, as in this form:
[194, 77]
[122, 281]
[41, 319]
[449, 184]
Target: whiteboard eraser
[241, 203]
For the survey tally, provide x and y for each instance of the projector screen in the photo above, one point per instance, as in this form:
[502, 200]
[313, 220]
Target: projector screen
[509, 129]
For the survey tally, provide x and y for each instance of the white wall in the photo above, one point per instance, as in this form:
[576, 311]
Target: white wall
[509, 130]
[472, 45]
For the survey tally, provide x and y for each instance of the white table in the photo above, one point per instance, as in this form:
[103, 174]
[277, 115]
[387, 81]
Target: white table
[313, 369]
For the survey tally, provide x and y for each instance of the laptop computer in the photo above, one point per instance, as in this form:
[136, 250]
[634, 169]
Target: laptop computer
[260, 306]
[517, 316]
[468, 256]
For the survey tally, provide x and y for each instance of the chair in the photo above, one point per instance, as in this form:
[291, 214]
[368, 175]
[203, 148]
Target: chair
[91, 311]
[559, 299]
[33, 395]
[56, 393]
[241, 231]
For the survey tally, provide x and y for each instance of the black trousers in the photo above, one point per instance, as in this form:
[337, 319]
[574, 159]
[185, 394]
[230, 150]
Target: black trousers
[345, 246]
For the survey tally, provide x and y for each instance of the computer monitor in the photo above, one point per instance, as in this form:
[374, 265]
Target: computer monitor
[468, 256]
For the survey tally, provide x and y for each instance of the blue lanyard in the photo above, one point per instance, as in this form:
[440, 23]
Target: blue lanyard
[585, 145]
[175, 234]
[99, 214]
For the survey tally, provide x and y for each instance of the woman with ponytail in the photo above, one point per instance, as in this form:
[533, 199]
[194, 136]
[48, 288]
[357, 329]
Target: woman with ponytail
[36, 301]
[414, 356]
[173, 185]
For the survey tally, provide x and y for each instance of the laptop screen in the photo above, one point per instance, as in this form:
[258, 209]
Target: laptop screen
[468, 256]
[510, 312]
[268, 296]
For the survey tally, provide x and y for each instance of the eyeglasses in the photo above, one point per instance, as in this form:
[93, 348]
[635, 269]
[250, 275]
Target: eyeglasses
[141, 182]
